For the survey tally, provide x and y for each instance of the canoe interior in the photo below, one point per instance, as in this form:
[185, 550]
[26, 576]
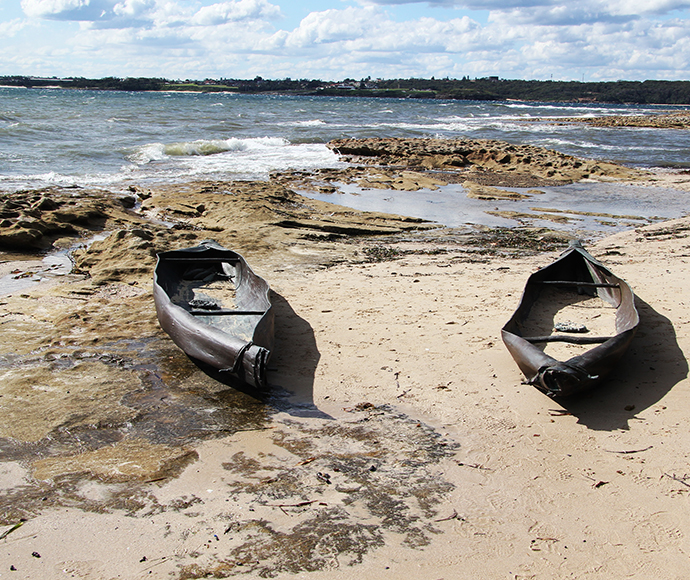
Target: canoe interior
[216, 289]
[588, 315]
[207, 290]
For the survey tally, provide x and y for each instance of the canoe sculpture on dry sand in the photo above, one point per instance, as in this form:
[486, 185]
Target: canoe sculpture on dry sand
[575, 285]
[216, 309]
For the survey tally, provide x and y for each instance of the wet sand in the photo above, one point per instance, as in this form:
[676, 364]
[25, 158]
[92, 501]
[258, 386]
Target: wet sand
[398, 438]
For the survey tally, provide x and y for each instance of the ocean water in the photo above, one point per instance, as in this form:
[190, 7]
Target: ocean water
[117, 139]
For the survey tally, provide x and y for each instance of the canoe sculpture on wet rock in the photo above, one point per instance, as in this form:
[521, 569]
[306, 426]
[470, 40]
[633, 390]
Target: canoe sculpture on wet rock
[576, 286]
[216, 309]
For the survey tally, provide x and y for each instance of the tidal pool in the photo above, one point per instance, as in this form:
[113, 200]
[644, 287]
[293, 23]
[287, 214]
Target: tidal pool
[596, 208]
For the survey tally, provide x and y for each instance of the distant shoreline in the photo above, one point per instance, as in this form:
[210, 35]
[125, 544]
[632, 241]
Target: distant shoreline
[675, 93]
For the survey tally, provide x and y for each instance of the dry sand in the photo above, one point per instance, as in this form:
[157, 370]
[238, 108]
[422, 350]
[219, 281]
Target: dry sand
[399, 440]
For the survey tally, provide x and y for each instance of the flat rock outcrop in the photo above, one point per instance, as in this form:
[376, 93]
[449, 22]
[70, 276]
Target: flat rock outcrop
[32, 220]
[679, 120]
[479, 156]
[265, 217]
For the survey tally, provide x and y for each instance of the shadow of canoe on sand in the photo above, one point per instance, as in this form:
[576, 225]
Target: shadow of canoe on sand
[652, 366]
[294, 362]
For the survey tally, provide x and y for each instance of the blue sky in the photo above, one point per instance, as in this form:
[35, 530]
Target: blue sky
[593, 40]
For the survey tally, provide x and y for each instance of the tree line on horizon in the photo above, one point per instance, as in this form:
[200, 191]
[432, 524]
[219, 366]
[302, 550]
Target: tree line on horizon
[484, 89]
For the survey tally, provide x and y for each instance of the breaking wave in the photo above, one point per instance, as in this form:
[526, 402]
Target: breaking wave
[203, 147]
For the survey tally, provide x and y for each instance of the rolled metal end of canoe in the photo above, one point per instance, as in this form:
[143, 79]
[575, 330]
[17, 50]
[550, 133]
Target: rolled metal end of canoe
[253, 367]
[561, 379]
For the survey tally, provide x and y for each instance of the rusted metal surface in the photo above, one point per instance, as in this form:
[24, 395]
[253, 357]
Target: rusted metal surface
[575, 271]
[216, 309]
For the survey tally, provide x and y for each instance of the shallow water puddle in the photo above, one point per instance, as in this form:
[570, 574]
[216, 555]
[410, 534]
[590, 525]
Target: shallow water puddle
[597, 208]
[28, 273]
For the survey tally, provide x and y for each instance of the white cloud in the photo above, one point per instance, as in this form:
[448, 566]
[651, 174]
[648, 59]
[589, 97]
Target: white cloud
[368, 29]
[333, 26]
[140, 13]
[427, 35]
[620, 6]
[239, 38]
[68, 9]
[133, 8]
[657, 7]
[235, 12]
[11, 27]
[605, 50]
[469, 4]
[557, 16]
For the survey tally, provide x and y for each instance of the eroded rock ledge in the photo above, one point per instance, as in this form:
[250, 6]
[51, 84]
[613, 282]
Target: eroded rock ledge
[31, 220]
[474, 158]
[679, 120]
[248, 215]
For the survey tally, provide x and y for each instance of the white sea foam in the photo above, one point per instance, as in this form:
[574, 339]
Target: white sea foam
[571, 110]
[251, 159]
[147, 153]
[258, 162]
[549, 128]
[255, 159]
[202, 147]
[52, 178]
[312, 123]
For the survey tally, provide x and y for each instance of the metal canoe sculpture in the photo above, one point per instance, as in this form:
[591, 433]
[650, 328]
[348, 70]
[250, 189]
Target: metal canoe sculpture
[216, 309]
[575, 271]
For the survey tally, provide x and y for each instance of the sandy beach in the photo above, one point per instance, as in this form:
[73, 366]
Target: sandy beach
[398, 439]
